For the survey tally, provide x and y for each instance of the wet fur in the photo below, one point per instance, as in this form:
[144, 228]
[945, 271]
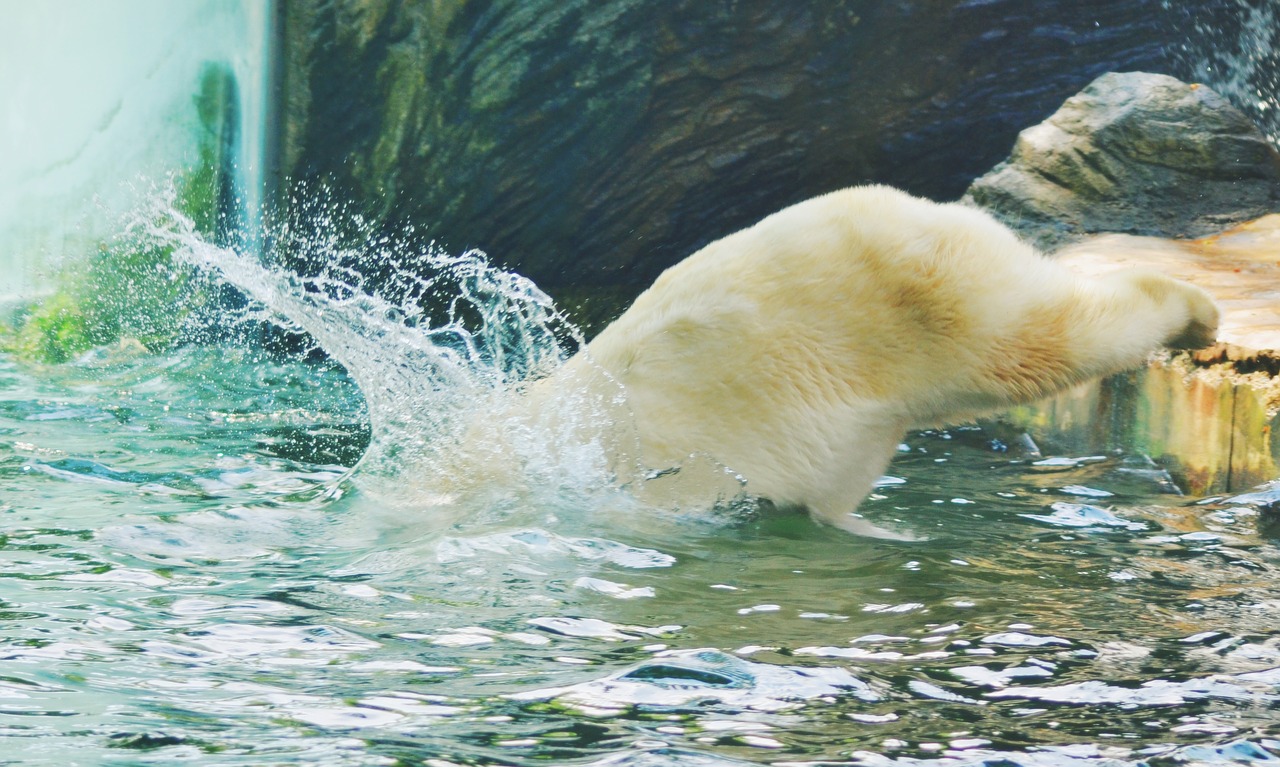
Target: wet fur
[799, 351]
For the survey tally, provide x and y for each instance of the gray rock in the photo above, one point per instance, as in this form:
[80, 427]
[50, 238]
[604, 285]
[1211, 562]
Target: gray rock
[1136, 153]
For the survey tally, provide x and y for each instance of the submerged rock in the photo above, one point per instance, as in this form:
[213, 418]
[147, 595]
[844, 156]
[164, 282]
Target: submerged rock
[1137, 153]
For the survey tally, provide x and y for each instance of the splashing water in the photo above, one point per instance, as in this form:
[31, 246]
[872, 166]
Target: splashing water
[444, 352]
[1233, 46]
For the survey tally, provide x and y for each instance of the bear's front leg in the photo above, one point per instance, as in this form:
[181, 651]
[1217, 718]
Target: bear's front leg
[1196, 316]
[1150, 310]
[835, 489]
[854, 523]
[1093, 327]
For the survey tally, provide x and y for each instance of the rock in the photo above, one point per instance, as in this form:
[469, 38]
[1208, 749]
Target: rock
[1149, 155]
[1210, 416]
[1137, 153]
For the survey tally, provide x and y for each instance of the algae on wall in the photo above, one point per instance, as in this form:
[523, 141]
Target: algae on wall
[1210, 427]
[131, 288]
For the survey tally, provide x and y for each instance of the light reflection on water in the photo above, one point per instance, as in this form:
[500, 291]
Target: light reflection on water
[180, 581]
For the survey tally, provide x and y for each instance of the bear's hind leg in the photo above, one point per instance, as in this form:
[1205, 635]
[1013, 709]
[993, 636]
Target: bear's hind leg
[834, 496]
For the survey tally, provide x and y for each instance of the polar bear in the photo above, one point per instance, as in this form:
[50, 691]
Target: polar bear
[798, 352]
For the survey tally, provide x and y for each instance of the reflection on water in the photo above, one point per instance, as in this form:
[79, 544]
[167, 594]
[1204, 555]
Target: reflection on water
[188, 574]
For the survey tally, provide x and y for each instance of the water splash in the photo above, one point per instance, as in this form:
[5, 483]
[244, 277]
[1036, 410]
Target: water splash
[1233, 46]
[445, 351]
[680, 678]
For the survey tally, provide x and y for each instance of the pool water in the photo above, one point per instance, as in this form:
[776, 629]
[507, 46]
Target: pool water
[190, 573]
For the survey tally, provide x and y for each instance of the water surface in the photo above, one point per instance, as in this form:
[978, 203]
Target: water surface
[189, 574]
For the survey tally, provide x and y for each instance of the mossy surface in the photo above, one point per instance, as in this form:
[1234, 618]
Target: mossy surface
[54, 332]
[132, 288]
[126, 290]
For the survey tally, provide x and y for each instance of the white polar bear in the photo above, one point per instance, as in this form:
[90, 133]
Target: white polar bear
[798, 352]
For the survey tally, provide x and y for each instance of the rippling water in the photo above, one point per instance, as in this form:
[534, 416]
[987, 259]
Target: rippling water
[192, 570]
[189, 575]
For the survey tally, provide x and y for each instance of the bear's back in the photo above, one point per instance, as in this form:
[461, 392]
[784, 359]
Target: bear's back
[799, 351]
[857, 281]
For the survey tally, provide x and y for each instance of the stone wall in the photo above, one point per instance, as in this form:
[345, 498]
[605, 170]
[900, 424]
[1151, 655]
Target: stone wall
[589, 144]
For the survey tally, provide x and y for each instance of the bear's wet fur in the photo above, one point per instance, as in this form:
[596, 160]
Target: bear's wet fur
[798, 352]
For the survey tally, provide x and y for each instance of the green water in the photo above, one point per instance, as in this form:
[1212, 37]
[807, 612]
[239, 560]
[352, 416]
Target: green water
[187, 575]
